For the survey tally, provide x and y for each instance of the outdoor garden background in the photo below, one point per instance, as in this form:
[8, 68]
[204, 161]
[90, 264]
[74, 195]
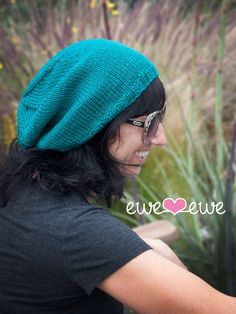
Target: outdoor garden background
[193, 44]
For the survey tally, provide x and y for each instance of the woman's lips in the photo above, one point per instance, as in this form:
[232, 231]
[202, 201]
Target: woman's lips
[140, 160]
[141, 156]
[136, 161]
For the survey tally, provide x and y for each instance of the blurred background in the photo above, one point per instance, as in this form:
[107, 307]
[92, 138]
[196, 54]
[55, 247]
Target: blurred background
[192, 44]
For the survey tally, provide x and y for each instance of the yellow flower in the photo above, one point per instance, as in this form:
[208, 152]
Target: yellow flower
[115, 12]
[1, 66]
[110, 5]
[43, 52]
[13, 1]
[74, 30]
[93, 4]
[68, 20]
[15, 40]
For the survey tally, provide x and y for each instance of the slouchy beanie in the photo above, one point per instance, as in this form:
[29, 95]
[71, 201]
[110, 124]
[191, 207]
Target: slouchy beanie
[79, 91]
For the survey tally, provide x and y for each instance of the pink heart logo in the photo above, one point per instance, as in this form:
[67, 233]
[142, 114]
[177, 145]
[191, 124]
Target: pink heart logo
[174, 206]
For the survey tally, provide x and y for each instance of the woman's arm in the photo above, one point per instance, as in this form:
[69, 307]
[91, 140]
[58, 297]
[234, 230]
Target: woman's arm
[151, 284]
[163, 249]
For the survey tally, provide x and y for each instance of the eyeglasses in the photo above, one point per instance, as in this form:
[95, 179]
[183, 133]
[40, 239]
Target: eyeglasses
[150, 125]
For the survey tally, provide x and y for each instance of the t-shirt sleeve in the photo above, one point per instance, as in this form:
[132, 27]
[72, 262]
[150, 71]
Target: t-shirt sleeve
[97, 245]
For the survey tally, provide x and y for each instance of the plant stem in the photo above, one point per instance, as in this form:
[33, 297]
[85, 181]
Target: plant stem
[228, 219]
[219, 92]
[106, 22]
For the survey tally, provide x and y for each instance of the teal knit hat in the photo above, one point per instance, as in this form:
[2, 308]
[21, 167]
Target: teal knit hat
[80, 90]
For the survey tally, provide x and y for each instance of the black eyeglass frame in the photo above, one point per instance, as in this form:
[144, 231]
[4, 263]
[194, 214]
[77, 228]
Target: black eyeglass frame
[147, 123]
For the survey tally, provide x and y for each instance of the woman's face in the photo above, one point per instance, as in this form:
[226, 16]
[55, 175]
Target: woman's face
[129, 148]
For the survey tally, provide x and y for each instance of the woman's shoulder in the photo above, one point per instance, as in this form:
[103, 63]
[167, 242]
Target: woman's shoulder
[34, 198]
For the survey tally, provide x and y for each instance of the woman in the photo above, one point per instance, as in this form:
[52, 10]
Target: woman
[88, 119]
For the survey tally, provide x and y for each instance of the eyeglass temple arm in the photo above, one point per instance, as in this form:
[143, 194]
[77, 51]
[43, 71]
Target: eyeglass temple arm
[137, 123]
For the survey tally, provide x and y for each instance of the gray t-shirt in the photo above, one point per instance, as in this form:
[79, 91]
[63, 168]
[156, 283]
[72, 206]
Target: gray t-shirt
[55, 250]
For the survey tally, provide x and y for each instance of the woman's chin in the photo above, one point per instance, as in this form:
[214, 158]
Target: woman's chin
[131, 171]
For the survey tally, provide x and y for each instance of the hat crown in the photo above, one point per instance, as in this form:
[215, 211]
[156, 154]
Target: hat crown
[78, 91]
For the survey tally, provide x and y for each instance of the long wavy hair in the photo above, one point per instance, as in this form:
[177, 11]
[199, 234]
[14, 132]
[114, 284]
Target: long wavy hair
[88, 169]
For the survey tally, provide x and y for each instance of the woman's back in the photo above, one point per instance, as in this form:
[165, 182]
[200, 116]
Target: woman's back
[56, 249]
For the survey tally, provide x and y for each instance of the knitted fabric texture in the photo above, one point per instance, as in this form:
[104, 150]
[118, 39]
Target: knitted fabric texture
[79, 91]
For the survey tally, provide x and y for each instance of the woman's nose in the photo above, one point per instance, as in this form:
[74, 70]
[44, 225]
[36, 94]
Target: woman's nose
[160, 136]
